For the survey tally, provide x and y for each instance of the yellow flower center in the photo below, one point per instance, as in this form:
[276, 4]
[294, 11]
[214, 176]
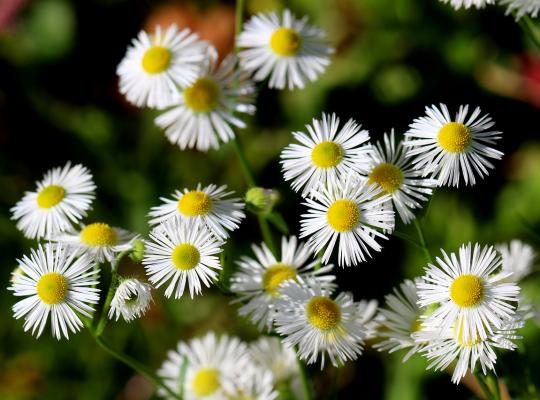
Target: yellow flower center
[195, 203]
[185, 256]
[454, 137]
[467, 290]
[50, 196]
[203, 95]
[275, 275]
[99, 234]
[323, 313]
[285, 42]
[52, 288]
[387, 176]
[156, 59]
[343, 215]
[327, 154]
[205, 382]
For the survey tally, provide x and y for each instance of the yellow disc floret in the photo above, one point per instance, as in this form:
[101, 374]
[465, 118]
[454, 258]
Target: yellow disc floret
[52, 288]
[387, 176]
[99, 234]
[185, 256]
[205, 382]
[454, 137]
[327, 154]
[323, 313]
[343, 215]
[203, 95]
[156, 59]
[467, 290]
[195, 203]
[285, 42]
[50, 196]
[275, 275]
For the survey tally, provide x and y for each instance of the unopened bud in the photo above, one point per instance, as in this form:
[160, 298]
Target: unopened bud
[261, 199]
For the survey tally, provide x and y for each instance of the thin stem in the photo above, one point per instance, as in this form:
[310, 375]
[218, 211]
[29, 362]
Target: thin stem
[495, 383]
[267, 234]
[244, 165]
[422, 240]
[239, 16]
[407, 238]
[482, 382]
[306, 388]
[530, 29]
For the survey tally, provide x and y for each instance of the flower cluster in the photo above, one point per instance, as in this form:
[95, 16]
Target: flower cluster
[519, 8]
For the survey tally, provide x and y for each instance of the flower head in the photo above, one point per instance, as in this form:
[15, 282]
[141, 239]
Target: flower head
[131, 299]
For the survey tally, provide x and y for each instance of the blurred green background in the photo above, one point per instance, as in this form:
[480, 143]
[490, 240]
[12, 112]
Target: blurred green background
[59, 102]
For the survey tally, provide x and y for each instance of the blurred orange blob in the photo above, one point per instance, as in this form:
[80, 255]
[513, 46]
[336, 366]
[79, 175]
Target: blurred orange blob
[530, 70]
[214, 24]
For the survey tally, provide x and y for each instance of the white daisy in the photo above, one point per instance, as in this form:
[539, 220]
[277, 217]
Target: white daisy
[457, 4]
[212, 365]
[367, 313]
[204, 112]
[287, 49]
[209, 204]
[521, 7]
[352, 213]
[57, 282]
[155, 64]
[100, 240]
[258, 280]
[394, 173]
[401, 321]
[320, 326]
[254, 384]
[62, 198]
[179, 253]
[444, 351]
[452, 150]
[326, 154]
[471, 299]
[131, 299]
[518, 258]
[270, 353]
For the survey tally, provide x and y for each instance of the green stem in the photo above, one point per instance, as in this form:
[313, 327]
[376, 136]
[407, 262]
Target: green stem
[244, 165]
[407, 238]
[530, 29]
[495, 383]
[306, 387]
[422, 240]
[267, 234]
[485, 388]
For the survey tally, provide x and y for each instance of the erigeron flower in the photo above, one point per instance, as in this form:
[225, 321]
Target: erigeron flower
[457, 4]
[286, 49]
[58, 282]
[518, 258]
[321, 326]
[131, 299]
[452, 150]
[205, 111]
[156, 64]
[100, 240]
[520, 8]
[61, 199]
[471, 298]
[394, 173]
[401, 321]
[258, 280]
[271, 354]
[325, 154]
[211, 205]
[182, 253]
[253, 384]
[351, 213]
[367, 317]
[212, 366]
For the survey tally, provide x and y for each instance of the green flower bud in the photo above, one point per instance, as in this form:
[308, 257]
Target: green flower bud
[137, 254]
[261, 199]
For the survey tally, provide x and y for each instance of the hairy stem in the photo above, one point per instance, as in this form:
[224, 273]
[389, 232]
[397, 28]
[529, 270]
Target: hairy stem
[422, 240]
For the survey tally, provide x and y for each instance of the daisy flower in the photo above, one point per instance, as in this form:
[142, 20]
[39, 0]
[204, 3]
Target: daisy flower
[401, 321]
[58, 282]
[394, 173]
[457, 4]
[180, 253]
[471, 298]
[320, 326]
[367, 312]
[255, 383]
[446, 350]
[517, 258]
[270, 353]
[452, 150]
[212, 364]
[204, 112]
[209, 204]
[326, 154]
[521, 7]
[100, 240]
[351, 213]
[61, 199]
[131, 299]
[287, 49]
[258, 280]
[155, 64]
